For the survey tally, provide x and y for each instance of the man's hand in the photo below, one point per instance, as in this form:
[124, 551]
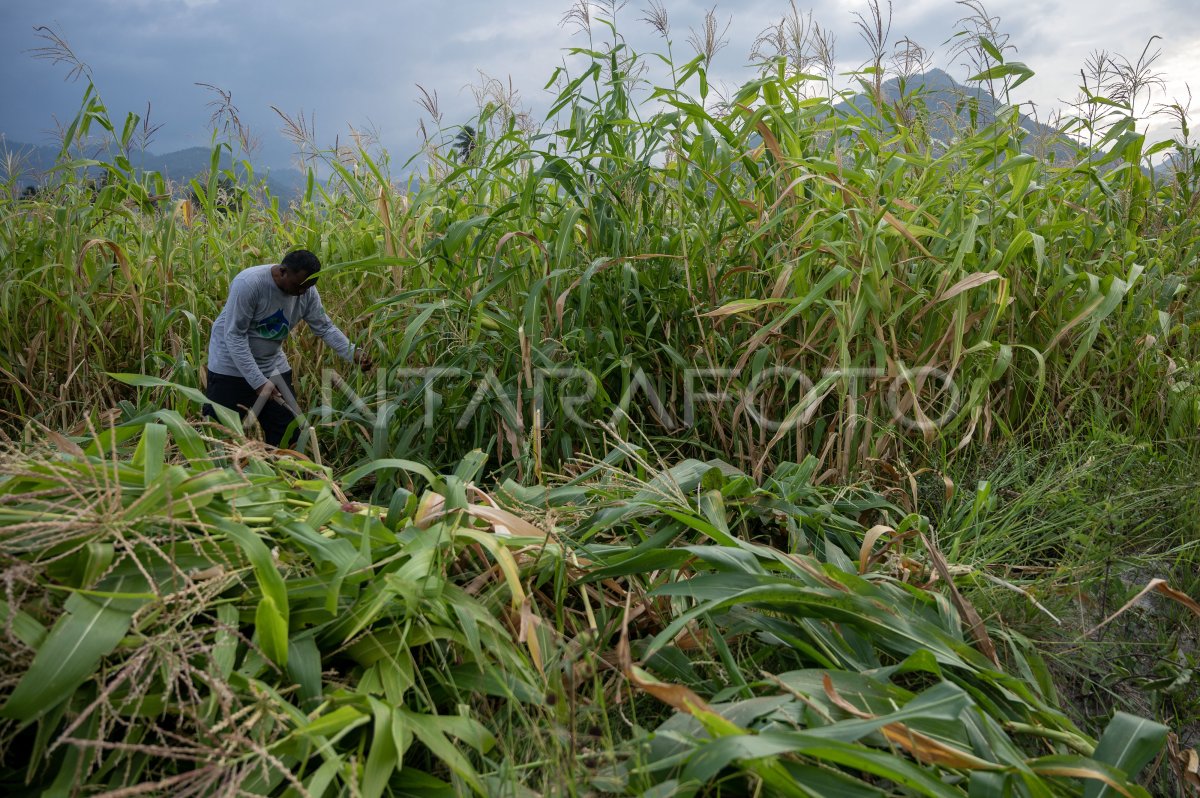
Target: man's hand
[363, 360]
[271, 392]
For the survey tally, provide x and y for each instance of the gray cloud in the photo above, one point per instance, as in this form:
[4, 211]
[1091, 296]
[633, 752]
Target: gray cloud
[358, 62]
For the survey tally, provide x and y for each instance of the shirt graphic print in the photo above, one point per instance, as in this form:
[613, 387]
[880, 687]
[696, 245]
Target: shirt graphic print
[274, 327]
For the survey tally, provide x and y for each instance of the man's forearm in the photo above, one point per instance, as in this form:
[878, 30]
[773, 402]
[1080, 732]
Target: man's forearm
[340, 344]
[325, 329]
[335, 338]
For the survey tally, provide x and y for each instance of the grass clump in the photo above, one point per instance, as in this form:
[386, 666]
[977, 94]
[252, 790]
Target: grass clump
[1062, 538]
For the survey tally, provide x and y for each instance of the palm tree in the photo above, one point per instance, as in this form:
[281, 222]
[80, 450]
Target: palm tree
[465, 142]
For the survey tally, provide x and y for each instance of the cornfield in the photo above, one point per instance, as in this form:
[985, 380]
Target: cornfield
[651, 492]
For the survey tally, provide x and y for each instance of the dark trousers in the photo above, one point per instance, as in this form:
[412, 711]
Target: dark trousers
[236, 394]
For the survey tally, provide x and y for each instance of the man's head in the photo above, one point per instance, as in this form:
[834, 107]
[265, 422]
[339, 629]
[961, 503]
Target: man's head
[297, 272]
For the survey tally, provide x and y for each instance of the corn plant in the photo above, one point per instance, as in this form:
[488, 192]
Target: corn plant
[829, 266]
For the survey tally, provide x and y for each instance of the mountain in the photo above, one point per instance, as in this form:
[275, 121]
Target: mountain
[948, 104]
[31, 163]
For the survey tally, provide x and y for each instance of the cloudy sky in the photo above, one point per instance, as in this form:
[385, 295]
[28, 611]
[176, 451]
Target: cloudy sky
[359, 62]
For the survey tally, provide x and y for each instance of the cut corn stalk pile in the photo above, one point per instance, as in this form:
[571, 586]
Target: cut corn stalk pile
[223, 622]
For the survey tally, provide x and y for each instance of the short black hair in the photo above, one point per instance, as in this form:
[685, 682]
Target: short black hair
[301, 261]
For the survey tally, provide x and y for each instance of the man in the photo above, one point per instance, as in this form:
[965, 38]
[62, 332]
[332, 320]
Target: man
[246, 363]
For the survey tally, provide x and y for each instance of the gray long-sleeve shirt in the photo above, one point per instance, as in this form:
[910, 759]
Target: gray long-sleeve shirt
[247, 338]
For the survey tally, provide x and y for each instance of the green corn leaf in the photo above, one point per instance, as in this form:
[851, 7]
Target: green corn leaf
[821, 782]
[382, 758]
[407, 466]
[304, 667]
[333, 723]
[87, 631]
[1128, 743]
[188, 441]
[457, 232]
[943, 701]
[272, 630]
[319, 782]
[265, 571]
[151, 451]
[991, 49]
[94, 561]
[468, 730]
[414, 783]
[323, 509]
[271, 614]
[1010, 69]
[336, 552]
[229, 418]
[224, 652]
[24, 626]
[711, 757]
